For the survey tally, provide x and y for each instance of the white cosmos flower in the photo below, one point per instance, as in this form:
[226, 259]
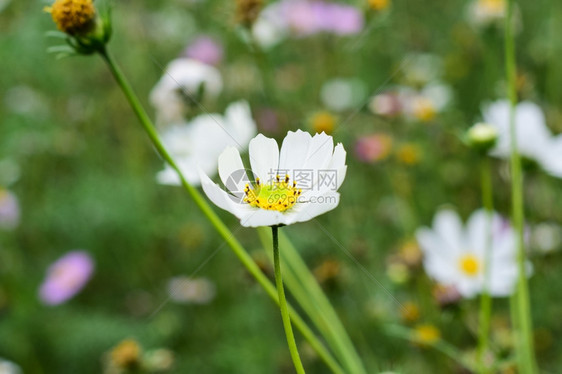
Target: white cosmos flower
[198, 144]
[454, 255]
[534, 139]
[183, 78]
[294, 184]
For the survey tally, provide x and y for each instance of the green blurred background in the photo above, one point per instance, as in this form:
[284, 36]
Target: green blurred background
[86, 180]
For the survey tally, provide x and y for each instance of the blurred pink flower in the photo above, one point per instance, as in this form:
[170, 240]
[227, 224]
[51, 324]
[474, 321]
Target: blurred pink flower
[205, 49]
[304, 18]
[9, 210]
[373, 148]
[66, 277]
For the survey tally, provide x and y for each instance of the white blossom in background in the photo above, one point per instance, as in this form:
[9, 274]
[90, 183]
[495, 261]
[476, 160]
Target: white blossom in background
[183, 81]
[191, 290]
[8, 367]
[341, 94]
[486, 12]
[454, 254]
[198, 143]
[534, 139]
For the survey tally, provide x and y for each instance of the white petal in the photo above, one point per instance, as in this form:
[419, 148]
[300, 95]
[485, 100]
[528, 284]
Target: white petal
[264, 157]
[338, 164]
[305, 211]
[294, 150]
[447, 224]
[319, 152]
[231, 171]
[218, 196]
[477, 230]
[261, 217]
[242, 126]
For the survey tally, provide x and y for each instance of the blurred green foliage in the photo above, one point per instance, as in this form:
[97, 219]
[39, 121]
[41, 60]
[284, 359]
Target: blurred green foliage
[87, 180]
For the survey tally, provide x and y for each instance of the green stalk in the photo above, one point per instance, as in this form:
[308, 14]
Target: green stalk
[486, 300]
[520, 302]
[217, 223]
[315, 303]
[283, 303]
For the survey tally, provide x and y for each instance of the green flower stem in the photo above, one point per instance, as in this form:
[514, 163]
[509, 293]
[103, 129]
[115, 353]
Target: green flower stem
[316, 305]
[221, 228]
[520, 302]
[283, 303]
[486, 300]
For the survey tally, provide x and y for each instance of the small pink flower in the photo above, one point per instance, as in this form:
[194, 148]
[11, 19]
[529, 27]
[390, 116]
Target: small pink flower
[205, 49]
[66, 277]
[9, 210]
[373, 148]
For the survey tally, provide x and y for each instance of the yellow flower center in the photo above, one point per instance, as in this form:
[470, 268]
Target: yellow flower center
[470, 265]
[73, 16]
[424, 110]
[278, 195]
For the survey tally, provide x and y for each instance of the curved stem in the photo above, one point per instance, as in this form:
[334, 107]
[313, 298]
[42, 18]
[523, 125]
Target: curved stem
[217, 223]
[520, 302]
[486, 300]
[283, 304]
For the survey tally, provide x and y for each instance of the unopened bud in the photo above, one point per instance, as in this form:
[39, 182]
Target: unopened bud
[482, 136]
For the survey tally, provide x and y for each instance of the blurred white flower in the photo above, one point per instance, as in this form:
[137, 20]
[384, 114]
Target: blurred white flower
[546, 237]
[199, 142]
[191, 290]
[534, 139]
[422, 68]
[294, 184]
[341, 94]
[7, 367]
[184, 83]
[486, 12]
[454, 255]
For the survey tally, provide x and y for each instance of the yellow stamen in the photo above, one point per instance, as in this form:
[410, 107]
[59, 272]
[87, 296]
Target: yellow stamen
[470, 265]
[73, 16]
[278, 195]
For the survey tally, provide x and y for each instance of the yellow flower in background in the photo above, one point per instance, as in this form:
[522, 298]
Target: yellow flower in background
[323, 122]
[73, 16]
[410, 312]
[423, 109]
[126, 354]
[409, 154]
[379, 4]
[427, 334]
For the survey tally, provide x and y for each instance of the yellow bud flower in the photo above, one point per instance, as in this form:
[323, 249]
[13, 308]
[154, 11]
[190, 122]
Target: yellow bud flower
[73, 17]
[323, 121]
[427, 334]
[409, 154]
[378, 5]
[126, 354]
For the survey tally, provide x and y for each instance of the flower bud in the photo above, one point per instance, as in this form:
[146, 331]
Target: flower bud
[74, 17]
[482, 136]
[88, 30]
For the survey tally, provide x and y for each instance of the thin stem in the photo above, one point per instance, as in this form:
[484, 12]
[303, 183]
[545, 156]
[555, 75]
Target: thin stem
[221, 228]
[311, 298]
[486, 300]
[283, 304]
[524, 326]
